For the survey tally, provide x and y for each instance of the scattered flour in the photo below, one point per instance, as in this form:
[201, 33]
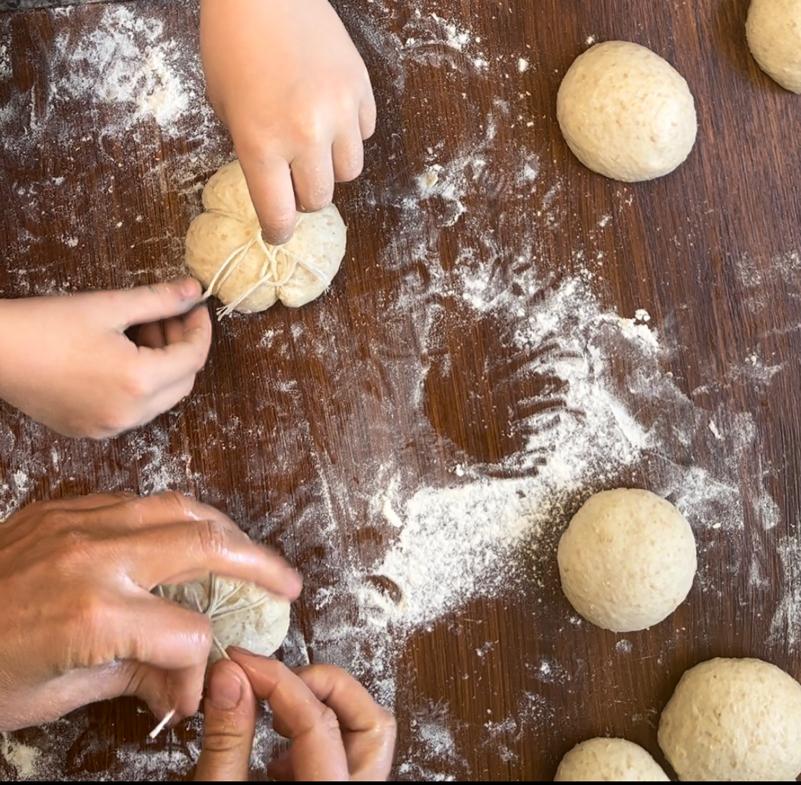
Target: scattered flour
[23, 758]
[586, 392]
[785, 629]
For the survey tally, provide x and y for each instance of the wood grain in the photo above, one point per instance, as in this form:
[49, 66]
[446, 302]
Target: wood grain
[290, 399]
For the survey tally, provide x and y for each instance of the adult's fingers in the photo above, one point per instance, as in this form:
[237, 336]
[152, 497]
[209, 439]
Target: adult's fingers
[270, 185]
[313, 178]
[230, 723]
[348, 156]
[94, 501]
[368, 729]
[181, 552]
[148, 629]
[164, 691]
[150, 303]
[317, 751]
[131, 512]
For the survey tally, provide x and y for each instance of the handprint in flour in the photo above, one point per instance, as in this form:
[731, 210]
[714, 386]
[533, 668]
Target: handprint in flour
[500, 397]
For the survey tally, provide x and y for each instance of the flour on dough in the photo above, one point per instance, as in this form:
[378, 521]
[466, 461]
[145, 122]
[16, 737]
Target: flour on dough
[241, 614]
[609, 760]
[733, 719]
[627, 559]
[626, 113]
[774, 36]
[226, 252]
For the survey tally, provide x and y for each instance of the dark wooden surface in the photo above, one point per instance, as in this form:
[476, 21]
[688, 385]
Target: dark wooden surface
[287, 421]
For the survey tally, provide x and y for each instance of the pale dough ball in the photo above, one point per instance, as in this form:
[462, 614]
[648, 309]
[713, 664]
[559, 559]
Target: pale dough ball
[733, 719]
[609, 760]
[626, 113]
[774, 35]
[627, 559]
[226, 253]
[241, 614]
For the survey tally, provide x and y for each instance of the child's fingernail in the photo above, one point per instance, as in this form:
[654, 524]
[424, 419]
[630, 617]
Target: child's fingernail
[189, 289]
[225, 688]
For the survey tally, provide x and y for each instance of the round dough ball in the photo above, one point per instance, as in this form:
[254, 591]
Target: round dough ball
[774, 36]
[609, 760]
[626, 113]
[627, 559]
[241, 614]
[733, 719]
[226, 252]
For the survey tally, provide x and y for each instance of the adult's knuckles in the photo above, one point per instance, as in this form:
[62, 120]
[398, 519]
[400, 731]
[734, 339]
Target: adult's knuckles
[213, 538]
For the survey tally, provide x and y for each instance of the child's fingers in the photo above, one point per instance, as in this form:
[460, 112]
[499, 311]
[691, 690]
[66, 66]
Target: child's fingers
[174, 329]
[313, 177]
[151, 335]
[179, 361]
[230, 723]
[317, 751]
[270, 185]
[368, 115]
[348, 156]
[167, 399]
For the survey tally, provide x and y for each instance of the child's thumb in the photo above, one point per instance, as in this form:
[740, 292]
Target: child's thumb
[146, 304]
[230, 722]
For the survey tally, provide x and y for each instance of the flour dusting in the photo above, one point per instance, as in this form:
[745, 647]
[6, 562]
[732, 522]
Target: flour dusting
[393, 547]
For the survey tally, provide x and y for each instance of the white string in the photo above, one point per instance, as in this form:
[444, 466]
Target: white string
[214, 610]
[217, 600]
[269, 270]
[162, 725]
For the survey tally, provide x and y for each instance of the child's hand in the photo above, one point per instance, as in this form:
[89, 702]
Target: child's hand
[336, 731]
[286, 79]
[67, 362]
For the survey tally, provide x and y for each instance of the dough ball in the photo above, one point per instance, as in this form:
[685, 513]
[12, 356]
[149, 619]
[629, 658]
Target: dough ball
[774, 35]
[733, 719]
[609, 760]
[241, 614]
[226, 253]
[627, 559]
[626, 113]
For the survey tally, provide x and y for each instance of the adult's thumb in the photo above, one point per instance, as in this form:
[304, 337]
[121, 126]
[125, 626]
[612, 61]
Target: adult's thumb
[230, 722]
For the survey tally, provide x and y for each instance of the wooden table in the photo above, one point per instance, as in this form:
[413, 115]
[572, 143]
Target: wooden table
[472, 224]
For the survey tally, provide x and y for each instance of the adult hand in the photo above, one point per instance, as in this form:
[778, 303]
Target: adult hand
[336, 731]
[68, 363]
[78, 621]
[286, 79]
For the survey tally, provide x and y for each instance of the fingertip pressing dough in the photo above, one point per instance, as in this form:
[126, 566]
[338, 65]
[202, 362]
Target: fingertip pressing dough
[774, 37]
[225, 250]
[626, 113]
[609, 760]
[627, 559]
[733, 719]
[242, 614]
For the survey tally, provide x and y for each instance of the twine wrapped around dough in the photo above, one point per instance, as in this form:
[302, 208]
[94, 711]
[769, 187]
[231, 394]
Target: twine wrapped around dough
[217, 598]
[269, 270]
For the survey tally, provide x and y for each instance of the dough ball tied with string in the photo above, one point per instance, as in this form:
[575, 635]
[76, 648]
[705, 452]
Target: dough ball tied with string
[225, 250]
[241, 614]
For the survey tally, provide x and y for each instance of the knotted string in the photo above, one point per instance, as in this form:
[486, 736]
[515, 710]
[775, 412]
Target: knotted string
[269, 270]
[218, 597]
